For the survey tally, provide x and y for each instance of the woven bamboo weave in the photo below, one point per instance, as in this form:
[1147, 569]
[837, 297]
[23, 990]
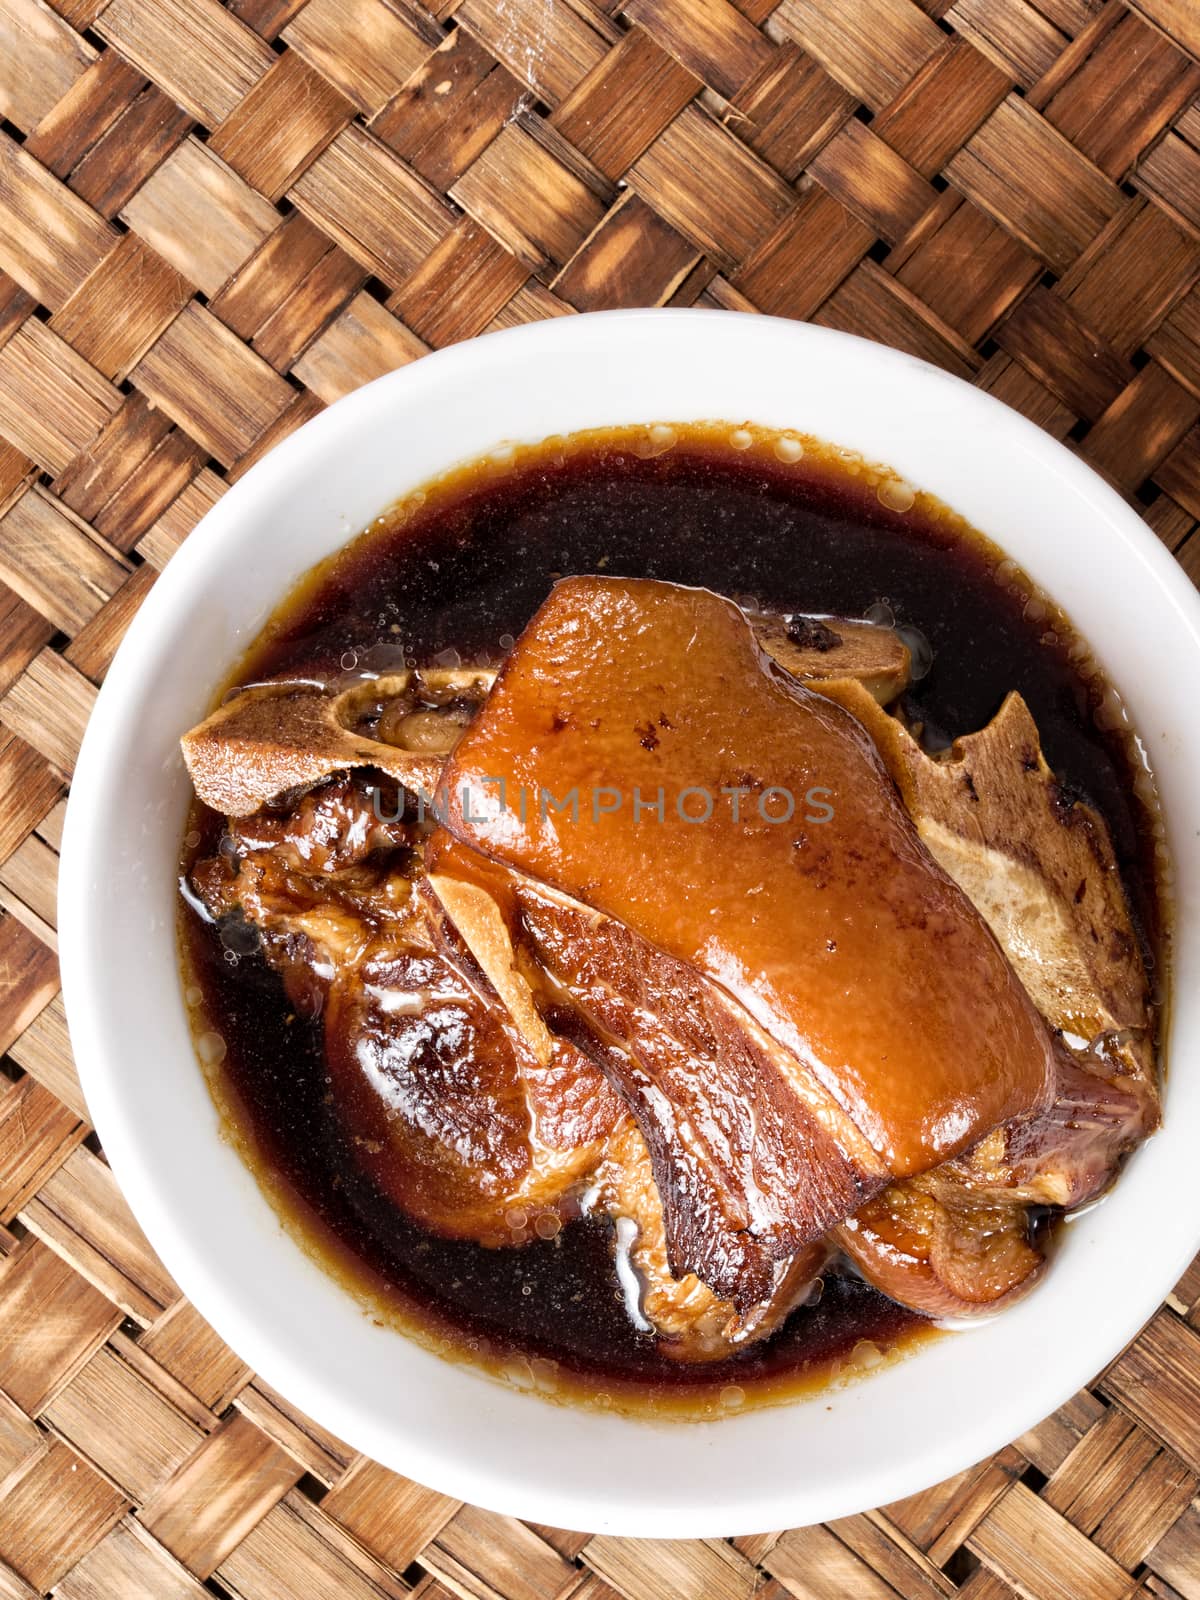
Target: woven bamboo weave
[215, 220]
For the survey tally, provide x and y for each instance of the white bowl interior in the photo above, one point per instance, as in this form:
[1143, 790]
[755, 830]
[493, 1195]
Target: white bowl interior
[444, 1423]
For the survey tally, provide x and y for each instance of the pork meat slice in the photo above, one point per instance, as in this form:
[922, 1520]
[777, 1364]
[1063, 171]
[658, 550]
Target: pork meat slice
[797, 1011]
[691, 1322]
[746, 1166]
[443, 1102]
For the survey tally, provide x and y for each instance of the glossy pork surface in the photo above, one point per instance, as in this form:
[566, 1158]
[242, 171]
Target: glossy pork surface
[751, 1162]
[839, 936]
[445, 1104]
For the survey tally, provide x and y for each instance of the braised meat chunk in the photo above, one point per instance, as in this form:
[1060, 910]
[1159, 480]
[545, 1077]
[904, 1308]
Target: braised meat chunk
[805, 944]
[447, 1107]
[677, 924]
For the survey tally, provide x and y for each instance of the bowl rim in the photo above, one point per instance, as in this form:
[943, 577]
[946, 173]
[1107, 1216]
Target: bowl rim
[156, 1211]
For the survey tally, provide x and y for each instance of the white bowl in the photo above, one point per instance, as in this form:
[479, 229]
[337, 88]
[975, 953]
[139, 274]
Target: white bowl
[445, 1423]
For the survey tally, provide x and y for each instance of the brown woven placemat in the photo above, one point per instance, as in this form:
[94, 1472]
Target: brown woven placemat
[213, 221]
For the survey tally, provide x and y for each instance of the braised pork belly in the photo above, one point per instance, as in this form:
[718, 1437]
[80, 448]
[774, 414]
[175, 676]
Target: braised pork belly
[591, 967]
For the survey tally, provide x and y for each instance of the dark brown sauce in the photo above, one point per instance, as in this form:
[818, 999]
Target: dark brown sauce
[460, 568]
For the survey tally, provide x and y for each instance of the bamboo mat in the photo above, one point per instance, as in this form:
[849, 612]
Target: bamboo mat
[216, 219]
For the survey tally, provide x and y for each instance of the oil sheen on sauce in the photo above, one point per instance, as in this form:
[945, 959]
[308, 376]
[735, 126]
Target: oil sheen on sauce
[450, 576]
